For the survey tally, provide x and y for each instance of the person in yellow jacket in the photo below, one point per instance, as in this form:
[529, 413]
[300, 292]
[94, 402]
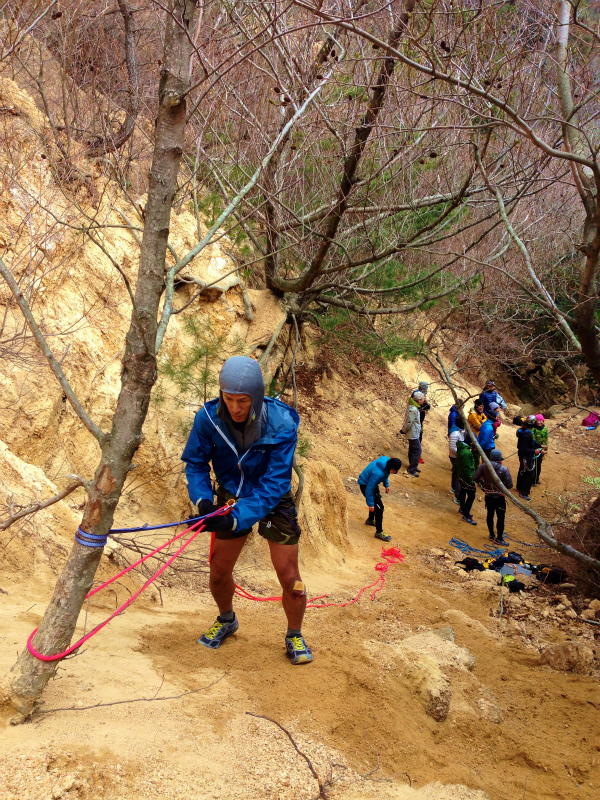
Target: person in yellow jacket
[475, 419]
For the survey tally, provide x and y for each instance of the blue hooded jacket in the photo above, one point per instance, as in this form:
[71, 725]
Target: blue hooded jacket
[258, 474]
[372, 475]
[486, 435]
[453, 415]
[491, 397]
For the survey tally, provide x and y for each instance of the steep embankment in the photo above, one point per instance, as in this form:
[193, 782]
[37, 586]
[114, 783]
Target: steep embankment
[424, 683]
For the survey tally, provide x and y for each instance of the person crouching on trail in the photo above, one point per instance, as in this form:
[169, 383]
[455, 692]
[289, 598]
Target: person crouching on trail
[412, 429]
[250, 440]
[527, 450]
[495, 501]
[540, 434]
[465, 467]
[373, 474]
[425, 407]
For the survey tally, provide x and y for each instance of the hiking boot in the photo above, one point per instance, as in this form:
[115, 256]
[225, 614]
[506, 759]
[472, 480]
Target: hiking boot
[502, 541]
[411, 474]
[370, 522]
[383, 536]
[297, 650]
[492, 537]
[525, 497]
[470, 520]
[456, 500]
[421, 461]
[217, 633]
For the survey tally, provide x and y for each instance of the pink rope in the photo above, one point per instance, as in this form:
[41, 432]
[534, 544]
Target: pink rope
[391, 556]
[199, 526]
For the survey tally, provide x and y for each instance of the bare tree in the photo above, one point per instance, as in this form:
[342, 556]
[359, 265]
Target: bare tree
[534, 77]
[29, 675]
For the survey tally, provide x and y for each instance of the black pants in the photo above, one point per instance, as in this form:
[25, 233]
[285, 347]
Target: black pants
[377, 515]
[526, 476]
[467, 498]
[454, 482]
[538, 468]
[414, 454]
[495, 504]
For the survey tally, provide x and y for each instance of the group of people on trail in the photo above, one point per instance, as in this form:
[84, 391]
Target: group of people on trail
[467, 472]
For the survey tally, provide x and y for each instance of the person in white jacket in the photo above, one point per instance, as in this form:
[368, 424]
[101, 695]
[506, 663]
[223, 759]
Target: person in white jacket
[457, 434]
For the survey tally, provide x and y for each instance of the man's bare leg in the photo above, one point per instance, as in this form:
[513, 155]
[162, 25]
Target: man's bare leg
[224, 557]
[285, 561]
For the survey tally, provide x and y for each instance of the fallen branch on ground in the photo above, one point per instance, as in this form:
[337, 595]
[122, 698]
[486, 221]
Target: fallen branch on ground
[322, 792]
[134, 700]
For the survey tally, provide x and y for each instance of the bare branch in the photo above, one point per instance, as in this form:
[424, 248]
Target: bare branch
[96, 432]
[39, 506]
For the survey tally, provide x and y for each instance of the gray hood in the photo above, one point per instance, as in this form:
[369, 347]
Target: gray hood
[242, 375]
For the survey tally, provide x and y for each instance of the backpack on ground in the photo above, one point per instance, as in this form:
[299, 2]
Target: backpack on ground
[545, 573]
[469, 564]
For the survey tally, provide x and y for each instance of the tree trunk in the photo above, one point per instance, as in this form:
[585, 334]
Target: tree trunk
[585, 311]
[30, 675]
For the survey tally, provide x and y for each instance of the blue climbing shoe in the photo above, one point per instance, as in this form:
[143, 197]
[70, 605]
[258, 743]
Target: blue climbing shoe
[383, 536]
[297, 650]
[217, 633]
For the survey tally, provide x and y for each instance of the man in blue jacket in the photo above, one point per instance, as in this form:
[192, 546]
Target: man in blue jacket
[250, 440]
[485, 437]
[373, 474]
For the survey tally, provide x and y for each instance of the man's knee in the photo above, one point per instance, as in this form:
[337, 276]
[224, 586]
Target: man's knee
[287, 574]
[220, 573]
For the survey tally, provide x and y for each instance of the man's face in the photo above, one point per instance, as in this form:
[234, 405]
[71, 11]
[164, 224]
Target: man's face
[238, 405]
[489, 386]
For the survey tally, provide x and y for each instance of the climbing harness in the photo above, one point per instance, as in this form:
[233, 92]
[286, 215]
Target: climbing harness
[390, 557]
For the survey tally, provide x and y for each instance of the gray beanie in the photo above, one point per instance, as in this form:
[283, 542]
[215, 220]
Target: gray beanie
[242, 375]
[495, 455]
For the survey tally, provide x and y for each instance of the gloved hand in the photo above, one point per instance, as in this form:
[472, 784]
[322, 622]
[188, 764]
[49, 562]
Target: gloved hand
[206, 507]
[223, 522]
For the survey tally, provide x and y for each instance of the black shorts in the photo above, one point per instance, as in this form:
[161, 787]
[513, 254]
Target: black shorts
[279, 526]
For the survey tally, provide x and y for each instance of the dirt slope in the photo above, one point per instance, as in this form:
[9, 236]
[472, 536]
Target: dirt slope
[514, 727]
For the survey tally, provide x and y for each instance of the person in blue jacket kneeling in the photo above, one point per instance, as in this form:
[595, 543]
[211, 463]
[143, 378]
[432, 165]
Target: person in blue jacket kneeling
[373, 474]
[250, 440]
